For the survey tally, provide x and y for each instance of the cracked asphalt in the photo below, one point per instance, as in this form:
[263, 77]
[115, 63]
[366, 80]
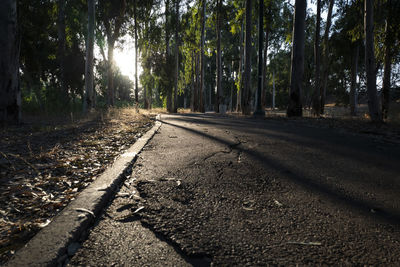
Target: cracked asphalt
[222, 191]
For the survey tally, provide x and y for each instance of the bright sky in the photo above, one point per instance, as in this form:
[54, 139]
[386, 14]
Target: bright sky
[124, 57]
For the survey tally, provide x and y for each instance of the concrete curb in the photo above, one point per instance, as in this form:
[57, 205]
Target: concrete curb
[52, 245]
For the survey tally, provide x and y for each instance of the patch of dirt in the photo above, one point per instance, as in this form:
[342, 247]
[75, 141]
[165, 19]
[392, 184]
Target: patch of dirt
[44, 166]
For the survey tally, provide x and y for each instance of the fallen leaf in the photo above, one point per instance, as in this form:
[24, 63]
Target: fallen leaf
[42, 225]
[86, 210]
[138, 209]
[278, 203]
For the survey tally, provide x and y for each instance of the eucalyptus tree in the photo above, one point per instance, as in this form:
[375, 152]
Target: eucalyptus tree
[61, 4]
[41, 73]
[237, 24]
[135, 21]
[392, 35]
[246, 109]
[373, 104]
[88, 102]
[317, 92]
[297, 64]
[325, 63]
[259, 109]
[202, 59]
[152, 48]
[168, 60]
[218, 96]
[277, 21]
[268, 22]
[112, 15]
[143, 28]
[353, 82]
[10, 94]
[175, 109]
[239, 82]
[345, 44]
[188, 45]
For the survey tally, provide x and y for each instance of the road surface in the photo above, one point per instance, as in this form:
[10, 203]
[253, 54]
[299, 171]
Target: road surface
[216, 190]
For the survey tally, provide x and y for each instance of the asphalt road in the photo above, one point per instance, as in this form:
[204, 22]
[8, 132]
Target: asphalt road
[214, 190]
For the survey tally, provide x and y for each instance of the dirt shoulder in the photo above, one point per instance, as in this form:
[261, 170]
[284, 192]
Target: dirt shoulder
[44, 166]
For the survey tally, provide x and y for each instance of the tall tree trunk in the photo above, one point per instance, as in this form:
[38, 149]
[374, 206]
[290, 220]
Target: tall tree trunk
[196, 83]
[264, 73]
[259, 110]
[210, 92]
[373, 104]
[150, 97]
[199, 93]
[240, 72]
[325, 58]
[61, 49]
[202, 59]
[136, 57]
[297, 69]
[89, 90]
[112, 35]
[167, 55]
[388, 62]
[232, 86]
[10, 93]
[317, 90]
[353, 83]
[193, 92]
[110, 73]
[247, 62]
[218, 95]
[175, 110]
[273, 90]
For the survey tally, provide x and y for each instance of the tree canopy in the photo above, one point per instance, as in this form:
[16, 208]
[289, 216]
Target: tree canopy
[200, 48]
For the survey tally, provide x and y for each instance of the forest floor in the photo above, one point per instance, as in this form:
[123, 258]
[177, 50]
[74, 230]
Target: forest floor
[43, 166]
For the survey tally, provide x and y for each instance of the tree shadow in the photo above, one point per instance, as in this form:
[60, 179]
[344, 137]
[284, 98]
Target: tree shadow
[357, 149]
[364, 206]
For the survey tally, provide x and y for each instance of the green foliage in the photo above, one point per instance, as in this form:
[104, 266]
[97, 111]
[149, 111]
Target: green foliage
[41, 72]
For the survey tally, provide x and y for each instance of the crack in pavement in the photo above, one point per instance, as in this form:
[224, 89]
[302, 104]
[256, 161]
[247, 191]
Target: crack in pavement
[231, 148]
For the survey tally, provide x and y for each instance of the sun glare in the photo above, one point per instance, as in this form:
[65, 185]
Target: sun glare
[124, 58]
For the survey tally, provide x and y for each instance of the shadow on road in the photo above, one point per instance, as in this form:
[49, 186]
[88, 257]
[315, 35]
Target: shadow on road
[361, 205]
